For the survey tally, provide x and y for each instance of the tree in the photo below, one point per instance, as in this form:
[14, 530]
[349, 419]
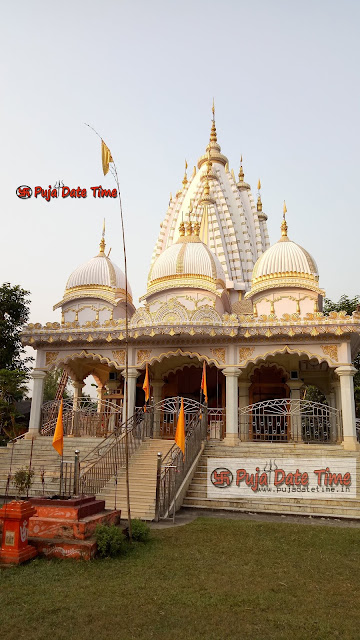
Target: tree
[12, 390]
[14, 370]
[349, 305]
[14, 313]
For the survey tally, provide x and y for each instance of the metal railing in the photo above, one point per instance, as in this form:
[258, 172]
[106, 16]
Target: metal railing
[87, 418]
[175, 468]
[109, 457]
[288, 419]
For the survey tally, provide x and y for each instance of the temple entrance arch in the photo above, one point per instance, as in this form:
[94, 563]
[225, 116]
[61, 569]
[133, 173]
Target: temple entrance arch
[179, 375]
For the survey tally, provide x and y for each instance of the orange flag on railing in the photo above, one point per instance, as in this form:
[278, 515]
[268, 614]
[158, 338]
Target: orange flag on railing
[203, 384]
[146, 386]
[58, 439]
[180, 429]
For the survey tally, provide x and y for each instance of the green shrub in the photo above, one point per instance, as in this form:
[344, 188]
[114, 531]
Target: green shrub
[23, 479]
[110, 540]
[140, 530]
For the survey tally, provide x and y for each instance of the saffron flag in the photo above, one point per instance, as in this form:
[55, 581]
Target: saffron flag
[58, 439]
[106, 157]
[146, 386]
[180, 429]
[204, 385]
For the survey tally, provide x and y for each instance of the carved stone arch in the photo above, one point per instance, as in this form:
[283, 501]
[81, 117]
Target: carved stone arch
[66, 361]
[172, 312]
[206, 315]
[262, 357]
[179, 352]
[141, 318]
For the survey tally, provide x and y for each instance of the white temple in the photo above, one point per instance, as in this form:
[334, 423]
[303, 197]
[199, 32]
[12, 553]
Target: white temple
[217, 293]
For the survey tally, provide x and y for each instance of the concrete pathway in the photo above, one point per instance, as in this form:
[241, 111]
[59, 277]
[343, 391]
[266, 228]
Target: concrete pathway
[185, 516]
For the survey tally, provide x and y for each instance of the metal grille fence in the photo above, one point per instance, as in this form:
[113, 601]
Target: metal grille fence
[288, 419]
[88, 418]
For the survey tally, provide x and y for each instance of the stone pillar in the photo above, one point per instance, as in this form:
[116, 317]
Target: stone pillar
[157, 386]
[131, 384]
[38, 375]
[100, 396]
[78, 387]
[232, 407]
[336, 390]
[346, 374]
[295, 394]
[244, 402]
[336, 396]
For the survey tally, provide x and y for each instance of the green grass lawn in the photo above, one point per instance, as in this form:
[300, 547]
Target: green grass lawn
[212, 579]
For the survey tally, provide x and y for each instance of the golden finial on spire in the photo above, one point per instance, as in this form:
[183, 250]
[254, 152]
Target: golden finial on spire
[102, 241]
[213, 135]
[189, 228]
[182, 228]
[208, 164]
[241, 170]
[284, 226]
[185, 180]
[197, 228]
[206, 187]
[259, 202]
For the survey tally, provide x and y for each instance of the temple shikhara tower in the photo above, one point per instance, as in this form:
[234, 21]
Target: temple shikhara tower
[218, 292]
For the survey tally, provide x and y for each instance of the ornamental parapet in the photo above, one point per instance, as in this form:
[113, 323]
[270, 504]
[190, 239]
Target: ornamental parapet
[336, 324]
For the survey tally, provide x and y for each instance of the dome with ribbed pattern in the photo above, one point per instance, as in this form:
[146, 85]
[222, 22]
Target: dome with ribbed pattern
[99, 270]
[284, 263]
[187, 263]
[98, 278]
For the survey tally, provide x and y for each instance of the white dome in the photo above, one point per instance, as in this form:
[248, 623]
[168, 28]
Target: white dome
[187, 263]
[284, 263]
[98, 278]
[284, 257]
[100, 271]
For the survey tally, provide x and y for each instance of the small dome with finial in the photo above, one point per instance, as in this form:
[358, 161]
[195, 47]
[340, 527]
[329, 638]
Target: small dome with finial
[99, 277]
[284, 263]
[188, 263]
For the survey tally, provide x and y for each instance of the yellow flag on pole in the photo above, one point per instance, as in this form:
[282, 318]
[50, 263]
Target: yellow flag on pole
[204, 384]
[106, 157]
[180, 429]
[146, 386]
[58, 439]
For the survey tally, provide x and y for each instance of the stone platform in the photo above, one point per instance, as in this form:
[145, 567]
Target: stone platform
[65, 528]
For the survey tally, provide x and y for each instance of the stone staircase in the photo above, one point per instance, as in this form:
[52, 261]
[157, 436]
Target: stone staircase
[44, 457]
[197, 498]
[142, 481]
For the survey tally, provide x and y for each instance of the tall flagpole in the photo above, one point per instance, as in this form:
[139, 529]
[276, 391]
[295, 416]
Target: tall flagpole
[114, 173]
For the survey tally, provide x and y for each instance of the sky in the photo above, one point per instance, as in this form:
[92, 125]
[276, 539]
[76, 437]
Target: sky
[284, 75]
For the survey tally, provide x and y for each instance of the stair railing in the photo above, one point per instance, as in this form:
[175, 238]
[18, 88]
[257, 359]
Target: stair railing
[175, 469]
[109, 457]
